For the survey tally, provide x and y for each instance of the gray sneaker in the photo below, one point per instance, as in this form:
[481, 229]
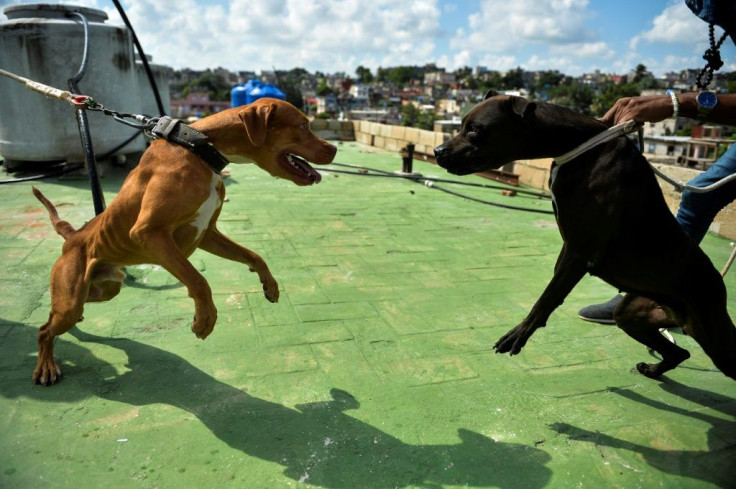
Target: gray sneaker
[601, 313]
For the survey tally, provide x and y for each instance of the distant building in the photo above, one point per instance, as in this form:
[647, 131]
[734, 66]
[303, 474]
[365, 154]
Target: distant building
[197, 104]
[373, 115]
[440, 77]
[667, 127]
[328, 104]
[361, 93]
[450, 127]
[699, 151]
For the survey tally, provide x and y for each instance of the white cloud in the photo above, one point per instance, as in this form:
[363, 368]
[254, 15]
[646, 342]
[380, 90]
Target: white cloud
[499, 37]
[498, 62]
[320, 35]
[522, 21]
[676, 24]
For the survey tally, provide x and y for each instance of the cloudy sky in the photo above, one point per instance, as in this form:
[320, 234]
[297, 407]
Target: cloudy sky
[572, 36]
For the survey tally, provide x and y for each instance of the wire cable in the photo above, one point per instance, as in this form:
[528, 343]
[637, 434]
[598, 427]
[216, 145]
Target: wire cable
[430, 183]
[536, 193]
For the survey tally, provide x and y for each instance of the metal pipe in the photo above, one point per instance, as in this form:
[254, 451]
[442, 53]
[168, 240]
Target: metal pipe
[98, 198]
[408, 160]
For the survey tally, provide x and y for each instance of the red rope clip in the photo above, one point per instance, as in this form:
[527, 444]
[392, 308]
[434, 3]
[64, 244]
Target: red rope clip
[82, 101]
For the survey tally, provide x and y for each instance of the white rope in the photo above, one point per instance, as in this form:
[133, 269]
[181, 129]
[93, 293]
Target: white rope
[679, 186]
[600, 138]
[729, 262]
[45, 90]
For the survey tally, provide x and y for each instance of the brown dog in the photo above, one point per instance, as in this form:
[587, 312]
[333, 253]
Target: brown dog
[167, 207]
[614, 223]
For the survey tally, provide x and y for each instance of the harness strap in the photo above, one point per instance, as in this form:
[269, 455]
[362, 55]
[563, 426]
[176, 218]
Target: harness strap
[600, 138]
[175, 131]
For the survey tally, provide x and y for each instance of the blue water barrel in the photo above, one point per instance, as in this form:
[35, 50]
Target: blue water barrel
[251, 85]
[267, 90]
[238, 95]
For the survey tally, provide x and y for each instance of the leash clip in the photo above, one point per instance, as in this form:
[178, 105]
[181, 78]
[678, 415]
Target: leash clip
[83, 102]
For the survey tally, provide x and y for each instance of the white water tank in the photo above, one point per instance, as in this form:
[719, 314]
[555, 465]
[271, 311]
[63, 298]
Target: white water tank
[161, 75]
[43, 43]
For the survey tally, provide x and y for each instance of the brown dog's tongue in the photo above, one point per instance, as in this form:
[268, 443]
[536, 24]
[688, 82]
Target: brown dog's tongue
[314, 175]
[302, 164]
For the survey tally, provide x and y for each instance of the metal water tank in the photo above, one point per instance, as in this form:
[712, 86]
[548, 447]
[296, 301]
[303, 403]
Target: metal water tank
[162, 76]
[44, 43]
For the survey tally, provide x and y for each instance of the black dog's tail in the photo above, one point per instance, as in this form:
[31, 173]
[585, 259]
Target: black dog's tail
[62, 227]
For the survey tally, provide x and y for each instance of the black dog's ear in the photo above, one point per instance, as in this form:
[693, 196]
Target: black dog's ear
[522, 106]
[489, 94]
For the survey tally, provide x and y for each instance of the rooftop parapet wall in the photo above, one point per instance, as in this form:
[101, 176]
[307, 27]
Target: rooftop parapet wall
[384, 136]
[395, 138]
[535, 173]
[333, 130]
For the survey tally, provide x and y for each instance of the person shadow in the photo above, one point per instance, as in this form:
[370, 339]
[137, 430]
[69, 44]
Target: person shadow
[318, 442]
[715, 465]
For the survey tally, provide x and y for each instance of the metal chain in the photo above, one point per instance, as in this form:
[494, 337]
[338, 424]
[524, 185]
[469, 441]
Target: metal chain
[144, 123]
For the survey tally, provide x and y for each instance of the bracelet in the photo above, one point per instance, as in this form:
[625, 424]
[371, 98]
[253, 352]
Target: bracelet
[675, 103]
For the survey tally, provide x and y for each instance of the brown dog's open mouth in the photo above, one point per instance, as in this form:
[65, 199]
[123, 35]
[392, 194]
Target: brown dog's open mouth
[300, 169]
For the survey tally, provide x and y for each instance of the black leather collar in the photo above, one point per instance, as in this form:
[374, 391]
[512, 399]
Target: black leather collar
[175, 131]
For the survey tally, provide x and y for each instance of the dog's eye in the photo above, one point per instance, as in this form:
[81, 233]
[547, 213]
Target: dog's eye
[472, 132]
[305, 125]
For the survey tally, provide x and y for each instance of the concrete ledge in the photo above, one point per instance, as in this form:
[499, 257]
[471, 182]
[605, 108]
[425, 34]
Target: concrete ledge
[395, 138]
[333, 129]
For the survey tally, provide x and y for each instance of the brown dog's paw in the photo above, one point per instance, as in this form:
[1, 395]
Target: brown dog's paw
[271, 289]
[46, 373]
[204, 323]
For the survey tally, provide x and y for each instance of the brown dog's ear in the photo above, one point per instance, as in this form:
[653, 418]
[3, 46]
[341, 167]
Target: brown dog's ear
[522, 106]
[489, 94]
[255, 119]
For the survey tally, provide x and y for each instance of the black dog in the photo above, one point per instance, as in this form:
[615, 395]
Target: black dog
[614, 223]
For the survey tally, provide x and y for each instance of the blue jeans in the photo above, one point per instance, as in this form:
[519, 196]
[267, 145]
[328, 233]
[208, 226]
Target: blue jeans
[697, 210]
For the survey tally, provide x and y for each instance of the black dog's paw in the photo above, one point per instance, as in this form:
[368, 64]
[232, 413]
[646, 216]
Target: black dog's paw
[512, 342]
[651, 370]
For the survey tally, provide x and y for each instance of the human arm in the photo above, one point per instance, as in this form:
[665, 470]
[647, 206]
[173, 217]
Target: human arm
[655, 108]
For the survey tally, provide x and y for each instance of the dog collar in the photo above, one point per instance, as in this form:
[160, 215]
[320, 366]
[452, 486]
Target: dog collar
[175, 131]
[600, 138]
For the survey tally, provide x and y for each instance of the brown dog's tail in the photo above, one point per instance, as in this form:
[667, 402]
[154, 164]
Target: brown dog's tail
[62, 227]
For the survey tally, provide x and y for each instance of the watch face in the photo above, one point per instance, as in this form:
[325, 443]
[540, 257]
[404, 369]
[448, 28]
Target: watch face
[707, 100]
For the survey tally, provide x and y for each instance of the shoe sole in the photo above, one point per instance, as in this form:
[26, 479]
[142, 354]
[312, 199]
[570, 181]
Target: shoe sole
[599, 321]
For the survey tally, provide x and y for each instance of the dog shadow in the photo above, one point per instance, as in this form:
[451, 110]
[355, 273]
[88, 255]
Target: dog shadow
[715, 468]
[318, 442]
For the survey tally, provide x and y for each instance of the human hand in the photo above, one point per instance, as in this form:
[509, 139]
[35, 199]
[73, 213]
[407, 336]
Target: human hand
[651, 108]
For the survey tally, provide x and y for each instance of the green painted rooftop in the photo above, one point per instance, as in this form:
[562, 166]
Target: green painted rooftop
[374, 370]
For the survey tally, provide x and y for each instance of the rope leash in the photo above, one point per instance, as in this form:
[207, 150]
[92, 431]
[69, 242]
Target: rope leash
[602, 137]
[83, 102]
[164, 127]
[45, 90]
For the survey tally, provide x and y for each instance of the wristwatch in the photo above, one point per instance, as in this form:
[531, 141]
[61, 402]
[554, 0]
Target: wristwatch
[706, 100]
